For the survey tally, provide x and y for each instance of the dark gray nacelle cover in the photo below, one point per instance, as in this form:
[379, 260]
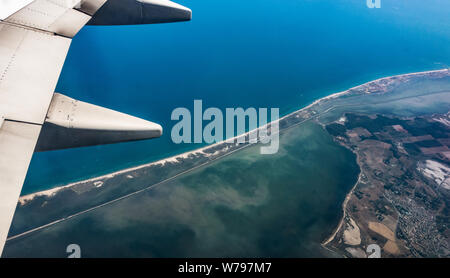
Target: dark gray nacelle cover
[131, 12]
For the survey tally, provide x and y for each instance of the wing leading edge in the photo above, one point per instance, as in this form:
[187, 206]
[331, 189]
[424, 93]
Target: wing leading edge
[35, 37]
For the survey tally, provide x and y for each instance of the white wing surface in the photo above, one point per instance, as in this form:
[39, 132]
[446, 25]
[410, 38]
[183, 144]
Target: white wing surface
[34, 41]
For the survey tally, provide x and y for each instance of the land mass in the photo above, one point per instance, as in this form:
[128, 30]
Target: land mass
[400, 201]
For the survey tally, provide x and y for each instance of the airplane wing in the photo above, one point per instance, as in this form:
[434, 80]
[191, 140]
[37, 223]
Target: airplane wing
[35, 37]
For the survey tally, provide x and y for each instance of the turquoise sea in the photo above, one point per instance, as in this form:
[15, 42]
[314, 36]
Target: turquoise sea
[254, 53]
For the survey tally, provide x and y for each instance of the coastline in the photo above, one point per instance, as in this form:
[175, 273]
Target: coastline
[348, 196]
[344, 210]
[201, 151]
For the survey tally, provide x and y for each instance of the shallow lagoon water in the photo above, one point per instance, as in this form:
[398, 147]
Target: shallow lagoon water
[242, 205]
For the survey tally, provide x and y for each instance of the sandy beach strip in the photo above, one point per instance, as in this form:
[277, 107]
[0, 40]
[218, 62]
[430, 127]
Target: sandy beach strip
[176, 158]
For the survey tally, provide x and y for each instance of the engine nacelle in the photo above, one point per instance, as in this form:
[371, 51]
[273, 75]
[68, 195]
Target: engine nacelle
[71, 123]
[131, 12]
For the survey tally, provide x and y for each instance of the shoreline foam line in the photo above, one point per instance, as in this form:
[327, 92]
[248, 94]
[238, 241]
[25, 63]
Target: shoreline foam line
[174, 159]
[123, 197]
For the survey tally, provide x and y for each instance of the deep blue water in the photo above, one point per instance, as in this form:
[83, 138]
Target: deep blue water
[234, 53]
